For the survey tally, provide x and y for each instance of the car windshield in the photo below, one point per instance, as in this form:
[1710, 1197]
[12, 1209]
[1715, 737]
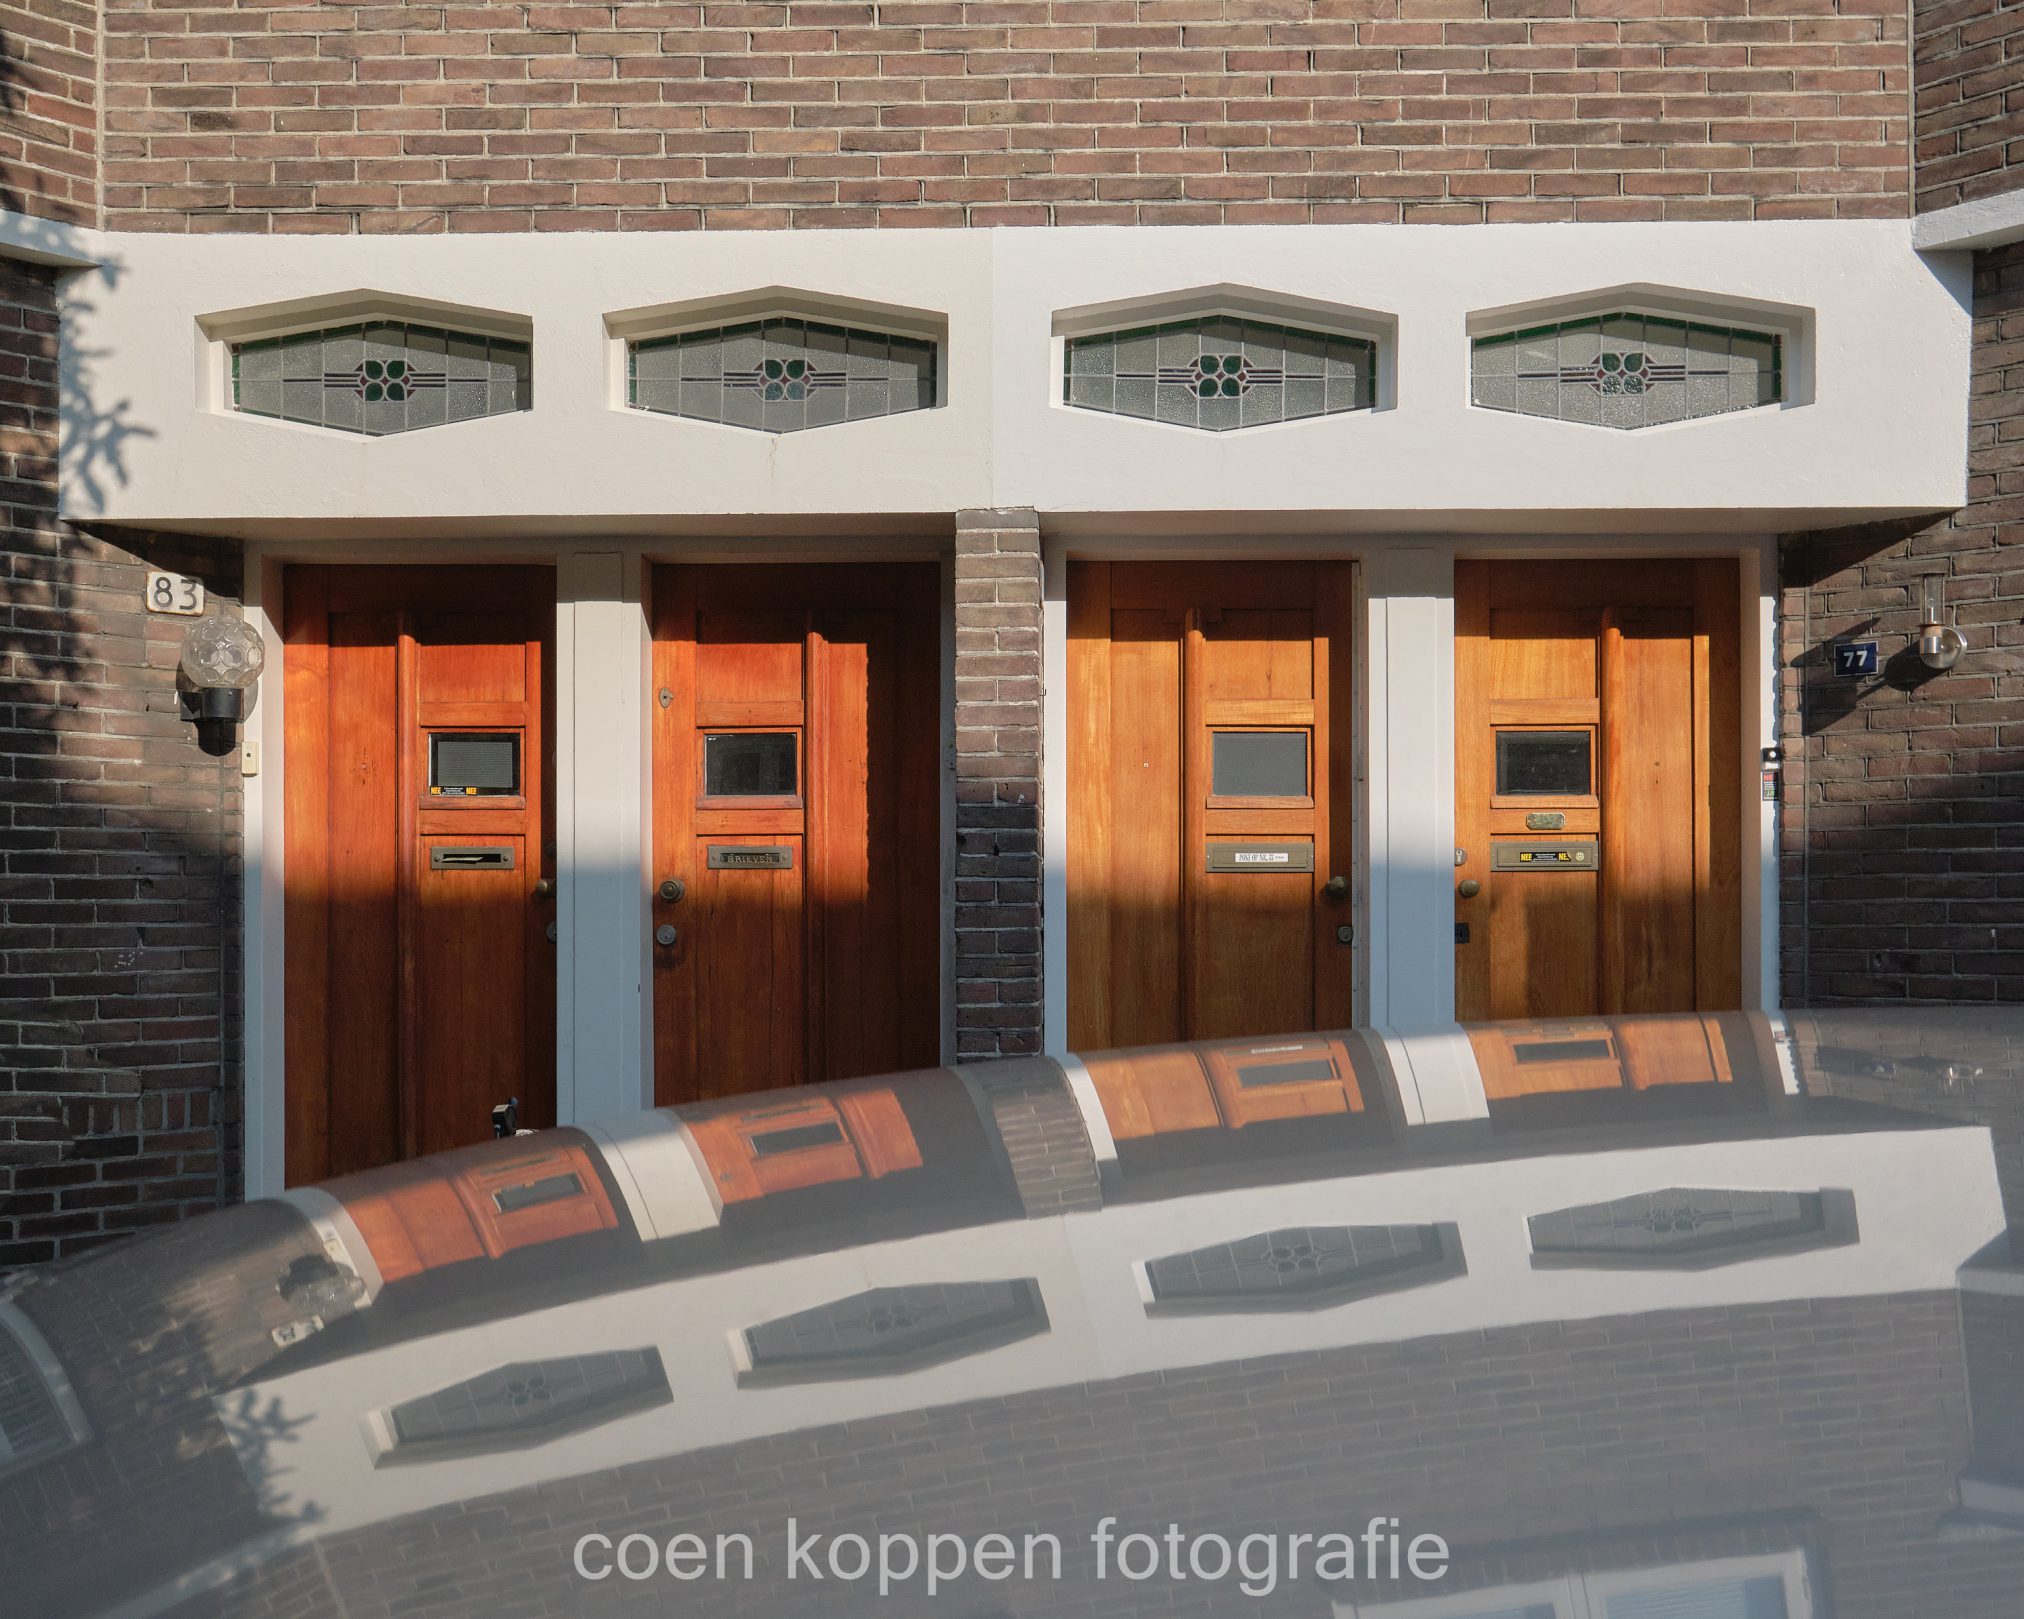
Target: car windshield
[1710, 1316]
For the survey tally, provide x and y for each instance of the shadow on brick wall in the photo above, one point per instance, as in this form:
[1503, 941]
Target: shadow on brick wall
[118, 837]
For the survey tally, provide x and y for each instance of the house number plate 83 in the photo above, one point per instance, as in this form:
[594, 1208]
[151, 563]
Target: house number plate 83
[174, 593]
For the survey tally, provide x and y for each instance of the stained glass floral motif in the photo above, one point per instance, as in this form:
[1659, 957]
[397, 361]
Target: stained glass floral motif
[381, 377]
[782, 374]
[1219, 372]
[1627, 370]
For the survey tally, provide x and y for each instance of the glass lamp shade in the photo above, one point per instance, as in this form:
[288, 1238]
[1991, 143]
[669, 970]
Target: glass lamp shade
[223, 654]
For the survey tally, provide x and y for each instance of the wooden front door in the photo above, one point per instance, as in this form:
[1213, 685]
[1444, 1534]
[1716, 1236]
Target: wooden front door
[1210, 789]
[418, 859]
[797, 908]
[1598, 788]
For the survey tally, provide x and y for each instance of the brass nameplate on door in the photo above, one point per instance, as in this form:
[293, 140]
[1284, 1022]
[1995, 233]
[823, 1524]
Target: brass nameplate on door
[1569, 856]
[745, 856]
[1546, 821]
[490, 857]
[1261, 857]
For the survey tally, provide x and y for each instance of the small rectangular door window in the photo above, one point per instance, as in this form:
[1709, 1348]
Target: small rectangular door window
[750, 764]
[1545, 764]
[474, 764]
[1258, 764]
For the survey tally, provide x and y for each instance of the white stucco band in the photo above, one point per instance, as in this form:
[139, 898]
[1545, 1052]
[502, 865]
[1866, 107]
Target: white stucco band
[1882, 431]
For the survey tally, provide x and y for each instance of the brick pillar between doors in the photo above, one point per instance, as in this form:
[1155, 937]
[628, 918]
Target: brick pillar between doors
[997, 900]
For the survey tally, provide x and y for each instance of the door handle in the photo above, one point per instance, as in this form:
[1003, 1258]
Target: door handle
[672, 889]
[1469, 888]
[1336, 888]
[544, 888]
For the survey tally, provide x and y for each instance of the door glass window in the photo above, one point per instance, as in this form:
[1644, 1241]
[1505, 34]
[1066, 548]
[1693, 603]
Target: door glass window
[474, 764]
[1544, 764]
[750, 764]
[1258, 764]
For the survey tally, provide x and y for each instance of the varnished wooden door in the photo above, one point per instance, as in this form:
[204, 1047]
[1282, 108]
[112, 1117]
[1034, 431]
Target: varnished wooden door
[420, 979]
[1210, 790]
[1598, 781]
[797, 862]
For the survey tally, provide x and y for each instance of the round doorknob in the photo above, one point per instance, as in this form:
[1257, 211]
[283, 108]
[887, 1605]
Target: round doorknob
[1469, 888]
[673, 889]
[665, 935]
[1336, 888]
[544, 888]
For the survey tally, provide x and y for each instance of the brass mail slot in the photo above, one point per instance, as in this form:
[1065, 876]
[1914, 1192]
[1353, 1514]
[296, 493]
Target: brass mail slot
[1261, 857]
[746, 856]
[468, 857]
[1573, 855]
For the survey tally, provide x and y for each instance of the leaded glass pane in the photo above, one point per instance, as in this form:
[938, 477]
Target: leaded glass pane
[782, 374]
[1626, 370]
[1220, 372]
[381, 377]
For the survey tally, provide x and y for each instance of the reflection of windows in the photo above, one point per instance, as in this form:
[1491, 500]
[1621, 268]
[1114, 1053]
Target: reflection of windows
[1302, 1266]
[1690, 1227]
[891, 1329]
[39, 1416]
[1758, 1587]
[512, 1407]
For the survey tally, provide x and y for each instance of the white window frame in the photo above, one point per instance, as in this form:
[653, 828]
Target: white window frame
[1586, 1596]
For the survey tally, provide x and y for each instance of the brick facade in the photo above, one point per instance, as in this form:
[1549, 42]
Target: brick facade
[998, 683]
[1968, 60]
[119, 858]
[1903, 838]
[306, 117]
[49, 77]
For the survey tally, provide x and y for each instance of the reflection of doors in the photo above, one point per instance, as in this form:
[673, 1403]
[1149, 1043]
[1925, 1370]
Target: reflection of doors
[816, 1139]
[1597, 780]
[420, 981]
[1601, 1054]
[481, 1206]
[1210, 792]
[1174, 1089]
[795, 830]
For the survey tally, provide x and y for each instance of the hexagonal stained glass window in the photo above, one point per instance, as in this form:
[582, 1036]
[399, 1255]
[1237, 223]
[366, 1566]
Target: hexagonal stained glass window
[782, 374]
[380, 377]
[1217, 372]
[1304, 1265]
[1627, 370]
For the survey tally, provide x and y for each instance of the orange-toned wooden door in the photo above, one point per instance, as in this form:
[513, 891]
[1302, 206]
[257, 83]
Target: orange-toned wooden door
[418, 859]
[1210, 793]
[797, 905]
[1598, 782]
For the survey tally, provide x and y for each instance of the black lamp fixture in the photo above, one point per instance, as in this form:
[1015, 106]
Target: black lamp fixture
[221, 662]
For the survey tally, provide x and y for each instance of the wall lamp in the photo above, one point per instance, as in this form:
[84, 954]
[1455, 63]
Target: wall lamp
[1940, 644]
[221, 662]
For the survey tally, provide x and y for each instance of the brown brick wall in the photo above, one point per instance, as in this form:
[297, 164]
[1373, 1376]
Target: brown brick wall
[1968, 66]
[998, 673]
[119, 856]
[49, 109]
[1903, 841]
[294, 115]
